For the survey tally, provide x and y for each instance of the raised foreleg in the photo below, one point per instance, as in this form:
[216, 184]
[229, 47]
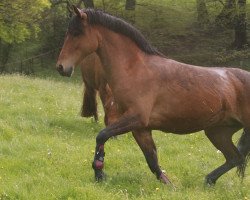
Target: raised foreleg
[124, 125]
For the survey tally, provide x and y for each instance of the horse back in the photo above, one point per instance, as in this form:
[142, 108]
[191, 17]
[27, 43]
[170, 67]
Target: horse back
[192, 98]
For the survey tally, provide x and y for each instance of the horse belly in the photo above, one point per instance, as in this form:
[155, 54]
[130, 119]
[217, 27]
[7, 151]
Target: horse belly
[180, 125]
[187, 117]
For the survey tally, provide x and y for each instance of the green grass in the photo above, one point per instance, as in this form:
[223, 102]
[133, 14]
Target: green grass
[46, 150]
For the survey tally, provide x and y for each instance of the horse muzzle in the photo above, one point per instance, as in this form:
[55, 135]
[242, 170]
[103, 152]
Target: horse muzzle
[65, 72]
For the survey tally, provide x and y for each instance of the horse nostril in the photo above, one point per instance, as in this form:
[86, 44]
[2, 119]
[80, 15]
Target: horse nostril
[60, 68]
[64, 71]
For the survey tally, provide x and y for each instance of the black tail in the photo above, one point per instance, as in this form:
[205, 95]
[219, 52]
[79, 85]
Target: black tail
[89, 105]
[242, 168]
[244, 148]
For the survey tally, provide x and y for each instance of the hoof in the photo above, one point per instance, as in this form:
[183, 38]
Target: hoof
[209, 182]
[164, 179]
[99, 176]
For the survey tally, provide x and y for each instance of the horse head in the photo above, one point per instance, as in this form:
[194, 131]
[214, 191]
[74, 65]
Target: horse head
[80, 41]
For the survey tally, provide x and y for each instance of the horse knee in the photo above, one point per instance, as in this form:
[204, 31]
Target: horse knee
[101, 138]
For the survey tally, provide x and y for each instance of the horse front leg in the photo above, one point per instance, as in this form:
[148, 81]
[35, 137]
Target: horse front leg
[146, 143]
[123, 125]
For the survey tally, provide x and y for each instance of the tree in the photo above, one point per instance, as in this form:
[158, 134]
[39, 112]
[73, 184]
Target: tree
[130, 4]
[240, 27]
[226, 17]
[202, 18]
[5, 49]
[88, 3]
[19, 20]
[233, 16]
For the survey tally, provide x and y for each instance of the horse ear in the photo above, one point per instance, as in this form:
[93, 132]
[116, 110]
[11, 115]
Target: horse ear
[79, 12]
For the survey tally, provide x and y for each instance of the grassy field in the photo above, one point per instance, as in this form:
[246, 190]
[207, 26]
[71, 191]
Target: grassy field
[46, 150]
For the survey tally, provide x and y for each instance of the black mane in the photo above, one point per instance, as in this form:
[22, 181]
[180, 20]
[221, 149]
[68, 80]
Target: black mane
[117, 25]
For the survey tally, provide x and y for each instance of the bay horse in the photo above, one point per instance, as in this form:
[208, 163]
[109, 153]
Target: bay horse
[153, 92]
[94, 80]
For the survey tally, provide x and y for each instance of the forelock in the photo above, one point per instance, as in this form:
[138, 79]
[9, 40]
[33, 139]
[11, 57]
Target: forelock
[75, 27]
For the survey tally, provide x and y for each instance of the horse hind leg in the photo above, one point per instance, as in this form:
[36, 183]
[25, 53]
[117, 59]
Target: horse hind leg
[221, 137]
[146, 143]
[244, 148]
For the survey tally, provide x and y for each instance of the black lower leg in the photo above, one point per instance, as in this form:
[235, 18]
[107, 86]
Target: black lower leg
[212, 177]
[145, 141]
[221, 137]
[151, 158]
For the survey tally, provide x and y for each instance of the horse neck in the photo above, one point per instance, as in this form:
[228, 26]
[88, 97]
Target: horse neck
[117, 52]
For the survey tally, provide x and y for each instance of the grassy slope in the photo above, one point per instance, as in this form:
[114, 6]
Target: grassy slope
[46, 151]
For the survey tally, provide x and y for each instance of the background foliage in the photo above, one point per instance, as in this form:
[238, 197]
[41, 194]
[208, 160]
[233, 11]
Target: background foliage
[20, 19]
[196, 31]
